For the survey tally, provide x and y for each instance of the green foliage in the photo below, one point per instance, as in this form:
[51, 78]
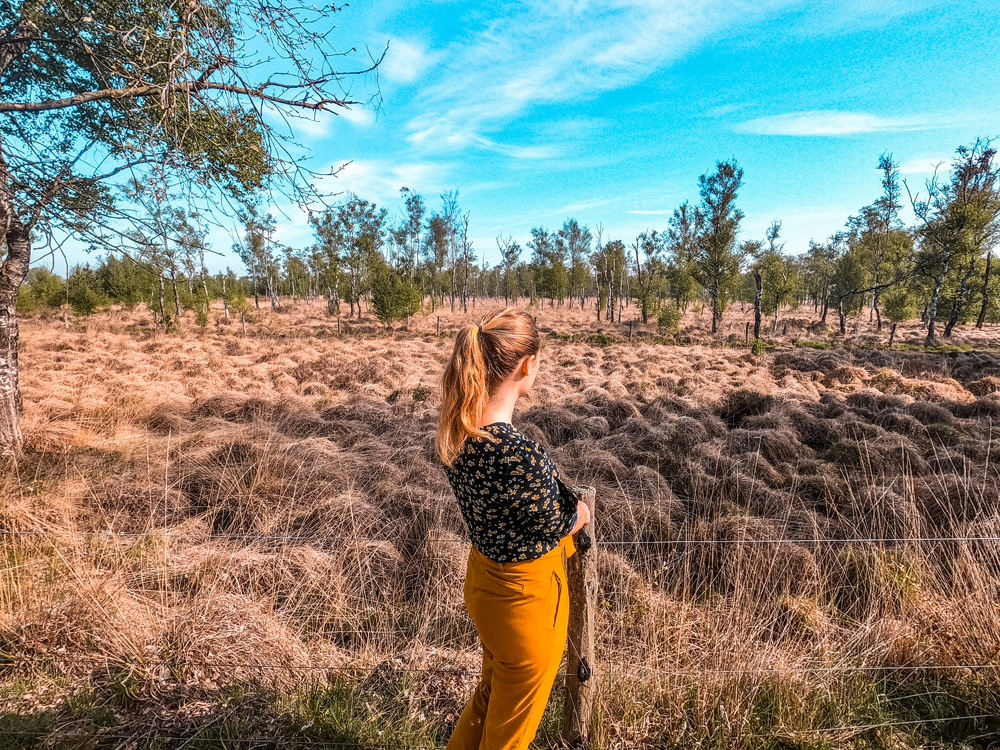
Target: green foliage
[25, 304]
[84, 295]
[758, 348]
[41, 289]
[548, 258]
[717, 258]
[898, 304]
[191, 300]
[669, 318]
[602, 339]
[125, 281]
[394, 295]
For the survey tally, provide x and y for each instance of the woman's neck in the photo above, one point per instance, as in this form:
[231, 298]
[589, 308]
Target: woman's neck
[500, 408]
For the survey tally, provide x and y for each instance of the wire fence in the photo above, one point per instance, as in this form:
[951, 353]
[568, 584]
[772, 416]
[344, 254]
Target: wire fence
[633, 670]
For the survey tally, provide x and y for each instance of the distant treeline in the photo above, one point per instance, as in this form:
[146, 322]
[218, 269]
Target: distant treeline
[128, 283]
[940, 269]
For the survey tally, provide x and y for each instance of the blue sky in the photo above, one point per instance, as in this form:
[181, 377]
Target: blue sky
[609, 111]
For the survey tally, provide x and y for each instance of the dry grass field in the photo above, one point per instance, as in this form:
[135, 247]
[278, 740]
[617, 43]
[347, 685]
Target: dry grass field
[222, 540]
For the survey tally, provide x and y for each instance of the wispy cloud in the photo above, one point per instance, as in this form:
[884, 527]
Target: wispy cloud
[380, 181]
[586, 204]
[321, 124]
[552, 51]
[650, 212]
[830, 122]
[531, 153]
[925, 165]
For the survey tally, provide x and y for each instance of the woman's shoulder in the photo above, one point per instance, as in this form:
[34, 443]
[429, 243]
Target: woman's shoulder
[504, 437]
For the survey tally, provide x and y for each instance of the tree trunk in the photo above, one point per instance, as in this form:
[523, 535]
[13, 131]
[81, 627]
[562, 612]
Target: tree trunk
[177, 299]
[932, 308]
[12, 273]
[877, 309]
[715, 311]
[163, 302]
[986, 291]
[892, 334]
[253, 277]
[225, 299]
[959, 306]
[756, 303]
[842, 316]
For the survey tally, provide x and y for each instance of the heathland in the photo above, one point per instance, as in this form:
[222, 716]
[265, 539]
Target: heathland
[227, 539]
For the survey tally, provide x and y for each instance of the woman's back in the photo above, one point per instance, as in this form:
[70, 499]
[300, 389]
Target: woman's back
[514, 502]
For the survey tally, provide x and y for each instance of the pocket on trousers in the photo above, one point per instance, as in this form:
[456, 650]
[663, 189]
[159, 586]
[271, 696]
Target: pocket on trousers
[503, 583]
[559, 588]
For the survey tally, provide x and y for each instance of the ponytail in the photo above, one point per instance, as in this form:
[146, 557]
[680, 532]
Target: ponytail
[484, 355]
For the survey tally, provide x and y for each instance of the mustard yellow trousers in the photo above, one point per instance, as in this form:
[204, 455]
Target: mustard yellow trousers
[521, 611]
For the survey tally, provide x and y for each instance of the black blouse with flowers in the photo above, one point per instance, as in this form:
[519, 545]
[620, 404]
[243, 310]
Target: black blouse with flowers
[514, 502]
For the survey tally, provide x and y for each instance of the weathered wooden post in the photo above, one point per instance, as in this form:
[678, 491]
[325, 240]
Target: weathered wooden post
[581, 573]
[630, 330]
[439, 327]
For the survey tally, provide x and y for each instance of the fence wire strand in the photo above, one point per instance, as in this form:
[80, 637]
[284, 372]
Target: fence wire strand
[289, 539]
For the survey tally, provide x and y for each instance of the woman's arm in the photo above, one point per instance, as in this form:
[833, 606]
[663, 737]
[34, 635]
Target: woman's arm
[582, 516]
[541, 493]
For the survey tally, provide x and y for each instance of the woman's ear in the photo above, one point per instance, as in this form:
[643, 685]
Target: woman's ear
[530, 363]
[526, 365]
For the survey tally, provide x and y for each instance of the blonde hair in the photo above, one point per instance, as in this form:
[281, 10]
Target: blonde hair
[484, 355]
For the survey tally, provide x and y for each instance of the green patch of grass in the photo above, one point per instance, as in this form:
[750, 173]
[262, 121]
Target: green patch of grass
[602, 339]
[369, 716]
[945, 434]
[872, 580]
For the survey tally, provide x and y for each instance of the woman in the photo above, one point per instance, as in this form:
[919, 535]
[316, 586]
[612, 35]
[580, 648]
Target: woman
[521, 517]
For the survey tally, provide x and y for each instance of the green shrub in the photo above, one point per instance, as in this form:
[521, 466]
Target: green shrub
[669, 318]
[84, 298]
[757, 348]
[394, 295]
[898, 304]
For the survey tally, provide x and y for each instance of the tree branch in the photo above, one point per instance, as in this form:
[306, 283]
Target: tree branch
[138, 92]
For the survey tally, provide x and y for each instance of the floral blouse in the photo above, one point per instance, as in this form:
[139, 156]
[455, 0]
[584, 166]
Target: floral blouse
[514, 502]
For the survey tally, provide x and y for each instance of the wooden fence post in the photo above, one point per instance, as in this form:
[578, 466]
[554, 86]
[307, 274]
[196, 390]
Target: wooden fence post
[438, 334]
[581, 574]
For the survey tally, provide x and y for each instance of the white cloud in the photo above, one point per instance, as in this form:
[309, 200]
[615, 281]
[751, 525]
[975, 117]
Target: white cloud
[651, 212]
[829, 122]
[406, 61]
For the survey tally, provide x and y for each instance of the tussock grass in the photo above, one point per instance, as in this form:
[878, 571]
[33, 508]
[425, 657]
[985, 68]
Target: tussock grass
[296, 562]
